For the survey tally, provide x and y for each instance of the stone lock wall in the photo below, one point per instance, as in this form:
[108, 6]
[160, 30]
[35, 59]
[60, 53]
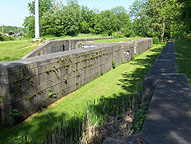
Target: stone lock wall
[50, 47]
[27, 85]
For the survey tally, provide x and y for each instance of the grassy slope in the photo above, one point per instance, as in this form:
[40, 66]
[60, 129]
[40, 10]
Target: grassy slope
[115, 83]
[79, 36]
[183, 52]
[13, 50]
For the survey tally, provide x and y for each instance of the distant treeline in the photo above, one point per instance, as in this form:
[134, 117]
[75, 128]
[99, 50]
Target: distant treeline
[15, 29]
[147, 18]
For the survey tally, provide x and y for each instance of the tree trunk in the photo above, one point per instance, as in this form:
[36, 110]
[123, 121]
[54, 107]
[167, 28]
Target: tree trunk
[162, 36]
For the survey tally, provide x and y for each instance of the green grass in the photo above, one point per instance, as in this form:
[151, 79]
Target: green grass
[183, 52]
[112, 85]
[118, 40]
[79, 36]
[13, 50]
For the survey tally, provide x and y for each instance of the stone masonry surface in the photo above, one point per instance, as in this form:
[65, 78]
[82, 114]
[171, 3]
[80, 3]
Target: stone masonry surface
[169, 114]
[33, 83]
[50, 47]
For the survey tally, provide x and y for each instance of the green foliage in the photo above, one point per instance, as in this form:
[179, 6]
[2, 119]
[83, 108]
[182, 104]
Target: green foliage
[160, 18]
[59, 20]
[183, 50]
[65, 80]
[185, 13]
[109, 22]
[78, 75]
[67, 65]
[118, 35]
[113, 64]
[14, 113]
[1, 97]
[5, 38]
[150, 18]
[85, 22]
[155, 40]
[3, 125]
[140, 117]
[52, 95]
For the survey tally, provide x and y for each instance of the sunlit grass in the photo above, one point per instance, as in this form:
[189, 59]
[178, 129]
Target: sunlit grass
[118, 40]
[79, 36]
[183, 52]
[13, 50]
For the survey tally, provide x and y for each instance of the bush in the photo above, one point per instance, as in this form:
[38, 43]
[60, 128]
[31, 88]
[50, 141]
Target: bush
[166, 39]
[5, 38]
[155, 40]
[113, 64]
[118, 35]
[1, 37]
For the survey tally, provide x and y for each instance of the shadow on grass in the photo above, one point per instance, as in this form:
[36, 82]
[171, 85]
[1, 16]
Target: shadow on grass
[69, 131]
[183, 51]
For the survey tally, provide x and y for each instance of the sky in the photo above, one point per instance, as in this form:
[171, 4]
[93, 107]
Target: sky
[13, 12]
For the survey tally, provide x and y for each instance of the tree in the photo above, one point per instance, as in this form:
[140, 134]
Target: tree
[164, 14]
[123, 18]
[141, 21]
[6, 29]
[156, 18]
[44, 7]
[95, 27]
[122, 15]
[85, 18]
[185, 15]
[136, 9]
[109, 22]
[71, 17]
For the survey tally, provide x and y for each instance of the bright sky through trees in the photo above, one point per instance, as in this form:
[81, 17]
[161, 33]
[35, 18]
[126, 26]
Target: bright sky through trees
[13, 12]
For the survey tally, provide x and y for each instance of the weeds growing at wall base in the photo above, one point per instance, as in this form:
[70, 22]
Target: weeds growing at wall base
[102, 118]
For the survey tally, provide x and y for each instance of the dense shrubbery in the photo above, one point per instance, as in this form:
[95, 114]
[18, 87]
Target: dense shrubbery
[155, 40]
[5, 38]
[118, 34]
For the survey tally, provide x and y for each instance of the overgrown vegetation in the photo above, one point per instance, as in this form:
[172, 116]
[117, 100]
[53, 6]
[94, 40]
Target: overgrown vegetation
[107, 104]
[5, 38]
[140, 117]
[183, 51]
